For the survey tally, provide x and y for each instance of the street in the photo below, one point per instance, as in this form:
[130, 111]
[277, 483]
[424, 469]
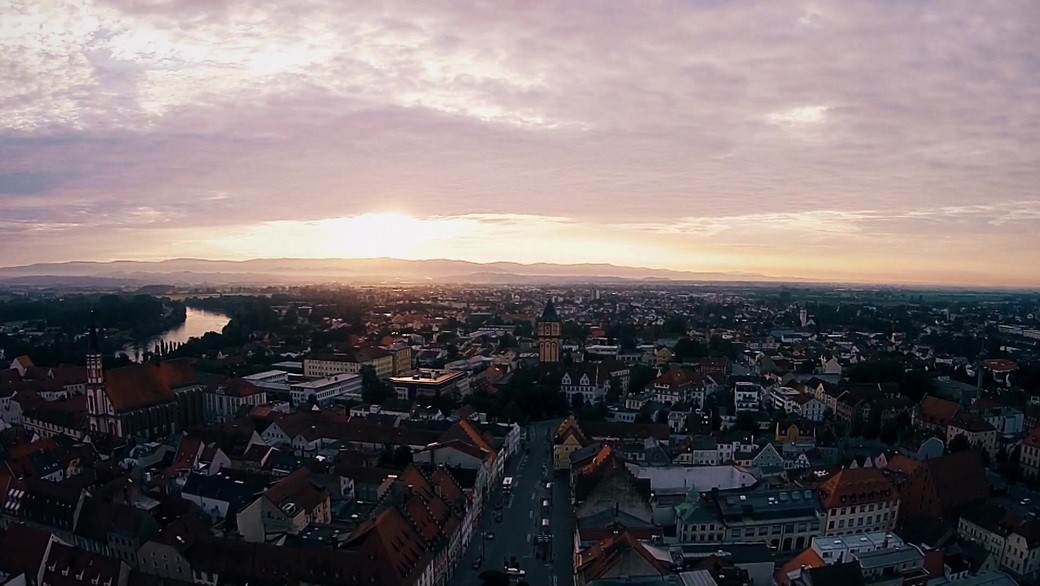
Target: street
[522, 514]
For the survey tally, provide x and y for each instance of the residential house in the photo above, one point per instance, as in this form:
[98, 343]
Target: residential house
[222, 402]
[1029, 456]
[620, 556]
[593, 380]
[287, 507]
[567, 439]
[1013, 540]
[980, 434]
[935, 414]
[859, 500]
[746, 396]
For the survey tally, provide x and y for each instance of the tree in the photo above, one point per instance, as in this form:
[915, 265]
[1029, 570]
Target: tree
[746, 422]
[374, 389]
[641, 377]
[402, 456]
[719, 346]
[614, 392]
[675, 325]
[889, 432]
[686, 350]
[959, 443]
[494, 578]
[577, 401]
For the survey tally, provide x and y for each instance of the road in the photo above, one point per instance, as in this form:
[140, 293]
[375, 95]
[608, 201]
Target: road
[522, 514]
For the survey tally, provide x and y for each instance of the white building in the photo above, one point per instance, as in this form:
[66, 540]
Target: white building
[746, 396]
[323, 391]
[221, 403]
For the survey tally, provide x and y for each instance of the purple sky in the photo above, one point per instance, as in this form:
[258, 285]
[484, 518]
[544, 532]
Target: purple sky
[860, 141]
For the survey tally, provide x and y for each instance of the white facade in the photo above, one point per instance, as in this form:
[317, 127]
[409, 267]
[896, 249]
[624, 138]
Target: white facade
[325, 390]
[746, 397]
[868, 518]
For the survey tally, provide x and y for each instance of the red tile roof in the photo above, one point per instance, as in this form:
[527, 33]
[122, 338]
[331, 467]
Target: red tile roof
[596, 561]
[937, 411]
[22, 549]
[902, 464]
[959, 479]
[392, 547]
[1033, 439]
[144, 385]
[807, 559]
[297, 488]
[857, 486]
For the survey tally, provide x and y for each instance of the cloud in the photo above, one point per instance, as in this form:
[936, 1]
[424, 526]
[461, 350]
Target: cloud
[816, 123]
[800, 116]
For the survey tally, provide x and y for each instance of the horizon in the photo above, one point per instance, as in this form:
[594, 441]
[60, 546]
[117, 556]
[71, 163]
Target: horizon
[651, 274]
[868, 143]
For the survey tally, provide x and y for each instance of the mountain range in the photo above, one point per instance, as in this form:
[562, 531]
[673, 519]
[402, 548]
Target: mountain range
[360, 271]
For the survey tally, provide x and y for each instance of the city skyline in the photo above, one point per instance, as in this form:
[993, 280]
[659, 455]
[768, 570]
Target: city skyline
[874, 142]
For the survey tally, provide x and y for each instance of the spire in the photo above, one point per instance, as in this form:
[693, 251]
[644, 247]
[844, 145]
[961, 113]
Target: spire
[95, 347]
[549, 313]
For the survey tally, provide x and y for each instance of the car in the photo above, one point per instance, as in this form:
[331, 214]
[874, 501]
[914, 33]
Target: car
[498, 507]
[516, 572]
[498, 517]
[477, 563]
[489, 535]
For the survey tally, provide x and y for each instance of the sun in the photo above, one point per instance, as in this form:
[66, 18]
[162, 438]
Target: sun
[384, 234]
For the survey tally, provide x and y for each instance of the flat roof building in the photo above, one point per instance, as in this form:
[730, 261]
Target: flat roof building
[430, 382]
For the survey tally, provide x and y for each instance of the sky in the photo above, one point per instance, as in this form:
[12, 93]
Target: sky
[894, 142]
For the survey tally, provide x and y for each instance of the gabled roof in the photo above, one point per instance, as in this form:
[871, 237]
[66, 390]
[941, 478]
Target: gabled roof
[902, 464]
[971, 423]
[596, 561]
[1033, 439]
[144, 385]
[857, 486]
[569, 428]
[675, 379]
[73, 566]
[959, 479]
[22, 549]
[394, 547]
[937, 411]
[297, 489]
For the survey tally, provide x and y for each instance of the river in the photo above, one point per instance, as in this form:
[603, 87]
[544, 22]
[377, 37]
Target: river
[196, 323]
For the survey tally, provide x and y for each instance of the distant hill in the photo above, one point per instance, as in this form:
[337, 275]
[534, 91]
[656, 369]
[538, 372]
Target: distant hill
[366, 270]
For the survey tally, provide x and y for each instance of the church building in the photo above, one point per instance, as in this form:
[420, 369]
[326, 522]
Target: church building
[137, 400]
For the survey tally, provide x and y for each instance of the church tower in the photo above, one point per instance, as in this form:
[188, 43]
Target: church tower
[98, 411]
[549, 335]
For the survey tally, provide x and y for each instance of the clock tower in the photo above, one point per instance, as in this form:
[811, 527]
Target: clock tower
[549, 335]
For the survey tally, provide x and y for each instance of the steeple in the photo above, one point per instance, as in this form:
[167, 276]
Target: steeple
[95, 374]
[549, 313]
[95, 346]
